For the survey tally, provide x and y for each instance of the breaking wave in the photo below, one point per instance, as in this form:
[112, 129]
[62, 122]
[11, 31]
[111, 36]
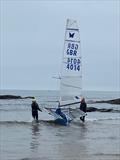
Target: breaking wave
[28, 122]
[102, 119]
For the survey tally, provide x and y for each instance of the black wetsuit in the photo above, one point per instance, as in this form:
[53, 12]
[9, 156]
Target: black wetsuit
[35, 109]
[83, 107]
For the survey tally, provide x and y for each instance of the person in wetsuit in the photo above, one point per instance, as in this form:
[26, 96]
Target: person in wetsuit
[83, 107]
[59, 112]
[35, 108]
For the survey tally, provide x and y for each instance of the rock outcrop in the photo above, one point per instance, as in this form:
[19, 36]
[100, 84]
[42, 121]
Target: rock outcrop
[14, 97]
[93, 109]
[113, 101]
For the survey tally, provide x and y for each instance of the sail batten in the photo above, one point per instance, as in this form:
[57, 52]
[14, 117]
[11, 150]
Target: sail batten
[71, 72]
[72, 41]
[72, 76]
[73, 29]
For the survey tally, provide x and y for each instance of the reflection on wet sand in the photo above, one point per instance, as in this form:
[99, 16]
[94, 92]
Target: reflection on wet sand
[73, 145]
[35, 136]
[77, 141]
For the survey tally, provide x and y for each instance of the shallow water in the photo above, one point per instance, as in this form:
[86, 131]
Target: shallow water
[22, 139]
[92, 140]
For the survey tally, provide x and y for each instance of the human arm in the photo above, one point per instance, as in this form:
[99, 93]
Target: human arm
[38, 108]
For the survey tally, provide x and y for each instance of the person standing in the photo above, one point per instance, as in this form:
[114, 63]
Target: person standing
[35, 108]
[83, 107]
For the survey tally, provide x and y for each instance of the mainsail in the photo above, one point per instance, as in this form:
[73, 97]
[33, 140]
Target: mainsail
[71, 73]
[70, 78]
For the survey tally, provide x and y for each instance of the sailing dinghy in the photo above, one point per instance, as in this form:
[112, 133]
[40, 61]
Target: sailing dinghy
[71, 74]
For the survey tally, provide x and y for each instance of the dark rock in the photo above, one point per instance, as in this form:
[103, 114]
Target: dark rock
[14, 97]
[91, 109]
[28, 97]
[105, 110]
[113, 101]
[10, 97]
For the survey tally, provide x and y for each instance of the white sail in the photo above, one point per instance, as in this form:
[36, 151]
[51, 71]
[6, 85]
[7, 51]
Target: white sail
[71, 73]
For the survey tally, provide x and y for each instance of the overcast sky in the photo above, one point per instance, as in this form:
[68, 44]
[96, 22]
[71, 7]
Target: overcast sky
[32, 38]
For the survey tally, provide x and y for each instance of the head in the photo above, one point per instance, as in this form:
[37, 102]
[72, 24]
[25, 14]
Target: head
[82, 99]
[33, 100]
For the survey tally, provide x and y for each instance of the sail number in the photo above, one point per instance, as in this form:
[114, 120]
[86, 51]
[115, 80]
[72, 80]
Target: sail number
[73, 64]
[72, 49]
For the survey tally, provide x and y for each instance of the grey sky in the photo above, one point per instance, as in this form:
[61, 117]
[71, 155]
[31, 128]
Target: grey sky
[32, 38]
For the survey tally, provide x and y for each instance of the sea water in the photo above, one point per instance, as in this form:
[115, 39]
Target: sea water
[22, 139]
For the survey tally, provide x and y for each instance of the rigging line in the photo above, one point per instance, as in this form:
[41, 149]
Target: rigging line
[71, 86]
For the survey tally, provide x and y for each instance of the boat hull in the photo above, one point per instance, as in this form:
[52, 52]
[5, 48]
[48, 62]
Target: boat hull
[61, 121]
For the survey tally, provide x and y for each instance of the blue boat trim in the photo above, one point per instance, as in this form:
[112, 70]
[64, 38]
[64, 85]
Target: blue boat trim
[61, 121]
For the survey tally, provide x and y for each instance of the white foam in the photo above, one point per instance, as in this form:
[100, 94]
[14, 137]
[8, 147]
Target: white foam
[102, 119]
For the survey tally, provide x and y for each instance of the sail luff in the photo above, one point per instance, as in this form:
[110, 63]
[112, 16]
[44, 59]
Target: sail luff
[61, 63]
